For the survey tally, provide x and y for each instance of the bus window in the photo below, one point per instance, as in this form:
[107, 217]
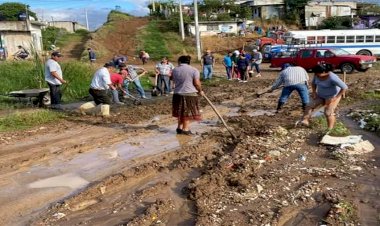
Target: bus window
[310, 39]
[340, 39]
[350, 39]
[360, 38]
[330, 39]
[369, 38]
[321, 39]
[307, 53]
[377, 38]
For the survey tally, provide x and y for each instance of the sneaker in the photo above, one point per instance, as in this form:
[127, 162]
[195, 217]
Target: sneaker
[258, 75]
[172, 92]
[119, 103]
[240, 80]
[245, 81]
[144, 97]
[179, 131]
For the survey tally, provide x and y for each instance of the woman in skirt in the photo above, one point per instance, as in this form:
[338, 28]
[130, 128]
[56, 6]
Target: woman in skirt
[185, 99]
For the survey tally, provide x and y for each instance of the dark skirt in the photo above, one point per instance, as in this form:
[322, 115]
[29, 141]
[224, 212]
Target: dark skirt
[186, 107]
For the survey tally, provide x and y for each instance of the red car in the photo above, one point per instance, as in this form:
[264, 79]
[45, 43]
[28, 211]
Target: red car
[308, 58]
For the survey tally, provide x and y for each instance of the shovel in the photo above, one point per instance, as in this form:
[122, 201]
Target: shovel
[268, 90]
[219, 116]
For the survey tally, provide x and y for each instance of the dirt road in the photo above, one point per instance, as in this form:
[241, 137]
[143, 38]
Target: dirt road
[132, 169]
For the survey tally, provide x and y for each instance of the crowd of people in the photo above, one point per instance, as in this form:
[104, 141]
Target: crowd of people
[184, 82]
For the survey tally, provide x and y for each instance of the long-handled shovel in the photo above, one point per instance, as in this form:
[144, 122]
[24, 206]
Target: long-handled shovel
[218, 114]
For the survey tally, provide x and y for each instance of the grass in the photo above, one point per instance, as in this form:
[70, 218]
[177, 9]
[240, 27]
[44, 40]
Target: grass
[152, 41]
[29, 75]
[339, 130]
[26, 120]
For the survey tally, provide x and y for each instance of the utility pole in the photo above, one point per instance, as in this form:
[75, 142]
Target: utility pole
[197, 36]
[88, 28]
[181, 21]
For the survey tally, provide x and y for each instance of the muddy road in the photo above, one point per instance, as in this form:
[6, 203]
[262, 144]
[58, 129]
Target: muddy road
[132, 169]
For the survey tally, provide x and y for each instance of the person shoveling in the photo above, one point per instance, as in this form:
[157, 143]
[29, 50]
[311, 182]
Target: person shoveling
[100, 83]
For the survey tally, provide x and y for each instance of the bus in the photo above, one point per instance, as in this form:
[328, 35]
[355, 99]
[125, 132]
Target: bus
[358, 42]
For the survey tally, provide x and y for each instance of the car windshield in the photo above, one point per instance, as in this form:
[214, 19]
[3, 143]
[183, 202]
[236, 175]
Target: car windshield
[340, 52]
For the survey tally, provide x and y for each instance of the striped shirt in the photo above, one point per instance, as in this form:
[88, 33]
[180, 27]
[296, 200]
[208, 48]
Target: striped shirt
[291, 76]
[165, 69]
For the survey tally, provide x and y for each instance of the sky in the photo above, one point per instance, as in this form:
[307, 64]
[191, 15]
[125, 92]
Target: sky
[97, 10]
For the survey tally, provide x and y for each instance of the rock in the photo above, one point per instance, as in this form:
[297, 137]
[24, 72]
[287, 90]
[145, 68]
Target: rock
[355, 168]
[259, 188]
[281, 131]
[361, 148]
[83, 205]
[59, 215]
[103, 190]
[275, 153]
[341, 140]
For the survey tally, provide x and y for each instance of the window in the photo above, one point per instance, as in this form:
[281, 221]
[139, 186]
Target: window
[340, 39]
[212, 27]
[350, 39]
[377, 38]
[310, 39]
[320, 53]
[369, 38]
[328, 54]
[307, 53]
[360, 38]
[330, 39]
[321, 39]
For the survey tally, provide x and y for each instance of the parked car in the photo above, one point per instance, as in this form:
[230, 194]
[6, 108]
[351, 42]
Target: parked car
[278, 51]
[308, 58]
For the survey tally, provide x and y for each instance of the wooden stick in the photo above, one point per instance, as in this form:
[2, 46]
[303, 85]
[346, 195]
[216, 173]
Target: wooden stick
[218, 114]
[344, 80]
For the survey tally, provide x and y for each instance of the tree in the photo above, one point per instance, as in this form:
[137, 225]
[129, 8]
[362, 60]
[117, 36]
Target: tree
[11, 11]
[295, 11]
[336, 22]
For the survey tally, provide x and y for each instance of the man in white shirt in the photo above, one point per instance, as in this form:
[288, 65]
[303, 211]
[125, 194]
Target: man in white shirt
[101, 82]
[54, 78]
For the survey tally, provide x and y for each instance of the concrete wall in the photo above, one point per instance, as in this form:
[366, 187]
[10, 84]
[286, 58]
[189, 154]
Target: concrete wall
[231, 27]
[68, 25]
[316, 12]
[12, 39]
[13, 26]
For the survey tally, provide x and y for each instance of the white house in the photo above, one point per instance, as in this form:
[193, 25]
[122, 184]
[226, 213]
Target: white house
[265, 9]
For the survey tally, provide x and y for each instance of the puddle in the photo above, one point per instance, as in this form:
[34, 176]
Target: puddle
[67, 180]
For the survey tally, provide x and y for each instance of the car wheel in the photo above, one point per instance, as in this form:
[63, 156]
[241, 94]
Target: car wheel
[364, 52]
[347, 67]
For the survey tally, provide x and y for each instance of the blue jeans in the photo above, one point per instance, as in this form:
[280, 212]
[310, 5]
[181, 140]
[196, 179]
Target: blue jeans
[256, 66]
[55, 94]
[115, 95]
[138, 86]
[229, 72]
[207, 71]
[302, 90]
[165, 79]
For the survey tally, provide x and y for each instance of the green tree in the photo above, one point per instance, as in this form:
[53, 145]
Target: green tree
[11, 10]
[336, 22]
[49, 36]
[295, 11]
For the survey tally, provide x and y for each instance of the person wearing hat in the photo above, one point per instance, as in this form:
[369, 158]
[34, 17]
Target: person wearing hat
[54, 79]
[207, 63]
[293, 78]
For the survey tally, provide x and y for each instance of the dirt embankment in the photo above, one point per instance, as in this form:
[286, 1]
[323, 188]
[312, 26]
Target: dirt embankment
[274, 174]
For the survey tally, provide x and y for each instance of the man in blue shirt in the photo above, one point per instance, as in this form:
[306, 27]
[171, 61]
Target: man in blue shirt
[227, 62]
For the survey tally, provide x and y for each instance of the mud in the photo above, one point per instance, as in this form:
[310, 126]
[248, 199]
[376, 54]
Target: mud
[132, 169]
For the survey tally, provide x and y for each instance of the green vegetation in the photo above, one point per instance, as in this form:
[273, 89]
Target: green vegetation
[25, 120]
[29, 75]
[339, 130]
[153, 41]
[115, 15]
[336, 22]
[11, 10]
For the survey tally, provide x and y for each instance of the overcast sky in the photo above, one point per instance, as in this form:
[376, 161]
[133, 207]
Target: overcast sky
[97, 10]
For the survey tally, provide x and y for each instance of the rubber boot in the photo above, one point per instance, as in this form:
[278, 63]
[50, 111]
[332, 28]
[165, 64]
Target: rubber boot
[279, 106]
[86, 106]
[105, 110]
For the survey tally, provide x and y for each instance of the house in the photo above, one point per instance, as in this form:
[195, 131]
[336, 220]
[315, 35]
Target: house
[317, 11]
[70, 26]
[25, 33]
[209, 28]
[265, 9]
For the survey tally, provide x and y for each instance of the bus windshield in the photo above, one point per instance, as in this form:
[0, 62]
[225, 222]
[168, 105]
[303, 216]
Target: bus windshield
[340, 52]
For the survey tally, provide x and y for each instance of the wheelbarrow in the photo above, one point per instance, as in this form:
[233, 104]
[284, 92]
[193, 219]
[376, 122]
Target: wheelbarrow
[38, 97]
